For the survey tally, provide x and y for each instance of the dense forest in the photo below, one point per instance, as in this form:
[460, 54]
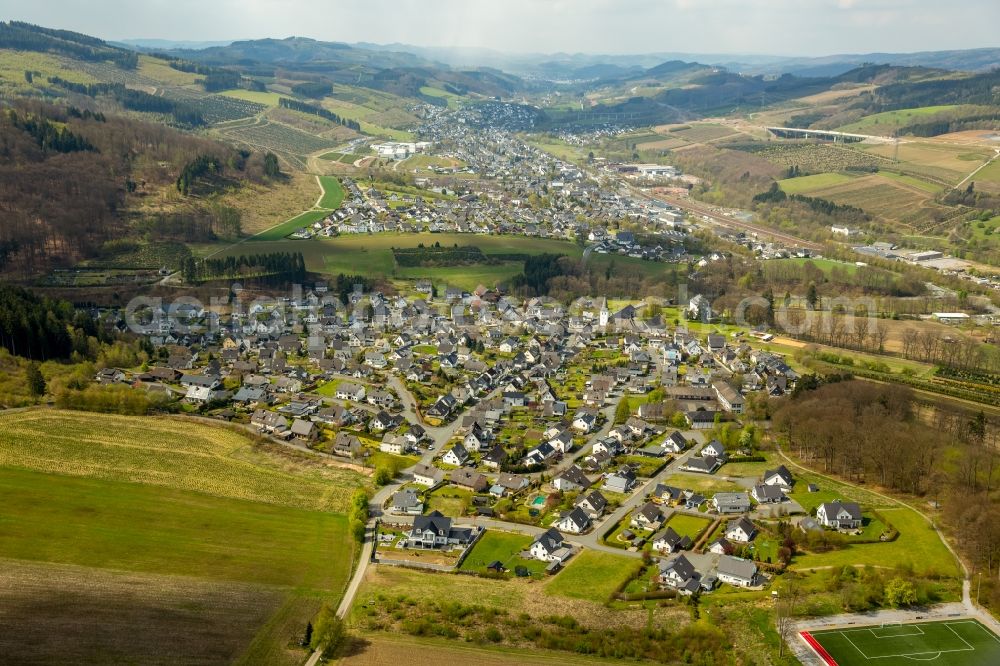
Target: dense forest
[27, 37]
[565, 278]
[68, 178]
[41, 328]
[282, 266]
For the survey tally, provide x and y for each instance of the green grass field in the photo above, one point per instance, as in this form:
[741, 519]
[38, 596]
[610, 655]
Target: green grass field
[503, 546]
[220, 548]
[947, 643]
[819, 181]
[372, 254]
[168, 452]
[592, 575]
[887, 121]
[278, 232]
[691, 526]
[136, 527]
[333, 193]
[918, 547]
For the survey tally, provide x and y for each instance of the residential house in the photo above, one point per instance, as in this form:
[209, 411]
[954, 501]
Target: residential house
[731, 502]
[763, 494]
[741, 530]
[736, 571]
[721, 547]
[669, 541]
[345, 444]
[779, 477]
[647, 517]
[621, 481]
[572, 479]
[407, 502]
[436, 531]
[549, 546]
[425, 475]
[457, 455]
[593, 504]
[574, 521]
[702, 464]
[467, 477]
[304, 431]
[839, 515]
[350, 391]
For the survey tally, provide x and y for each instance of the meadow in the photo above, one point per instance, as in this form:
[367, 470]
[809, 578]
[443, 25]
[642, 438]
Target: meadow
[371, 254]
[333, 193]
[213, 548]
[172, 453]
[260, 97]
[144, 528]
[819, 181]
[888, 123]
[918, 548]
[592, 575]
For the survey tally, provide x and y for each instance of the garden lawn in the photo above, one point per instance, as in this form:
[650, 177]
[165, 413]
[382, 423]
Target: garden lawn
[918, 546]
[691, 526]
[593, 575]
[504, 547]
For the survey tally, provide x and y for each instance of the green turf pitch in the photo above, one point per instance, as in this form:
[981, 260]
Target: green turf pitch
[959, 642]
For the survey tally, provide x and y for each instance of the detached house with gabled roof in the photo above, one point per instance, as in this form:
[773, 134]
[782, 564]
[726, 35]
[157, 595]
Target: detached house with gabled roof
[457, 455]
[779, 477]
[571, 479]
[741, 530]
[549, 546]
[593, 504]
[736, 571]
[436, 531]
[669, 541]
[425, 475]
[839, 515]
[574, 521]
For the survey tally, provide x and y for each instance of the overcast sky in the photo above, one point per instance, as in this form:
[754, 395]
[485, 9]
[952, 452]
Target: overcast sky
[781, 27]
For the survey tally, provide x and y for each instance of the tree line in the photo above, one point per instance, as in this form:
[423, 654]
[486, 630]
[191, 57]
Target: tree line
[284, 265]
[134, 100]
[303, 107]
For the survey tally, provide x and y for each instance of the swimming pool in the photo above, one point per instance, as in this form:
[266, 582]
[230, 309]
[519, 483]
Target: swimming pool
[538, 501]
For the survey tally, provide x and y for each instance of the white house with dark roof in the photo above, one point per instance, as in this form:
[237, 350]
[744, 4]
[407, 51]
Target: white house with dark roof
[741, 530]
[839, 515]
[736, 571]
[574, 521]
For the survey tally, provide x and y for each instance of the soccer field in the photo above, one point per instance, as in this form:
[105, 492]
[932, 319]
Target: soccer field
[961, 642]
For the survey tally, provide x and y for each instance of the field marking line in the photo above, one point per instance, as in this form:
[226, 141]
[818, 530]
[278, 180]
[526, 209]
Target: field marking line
[980, 626]
[959, 637]
[844, 634]
[920, 632]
